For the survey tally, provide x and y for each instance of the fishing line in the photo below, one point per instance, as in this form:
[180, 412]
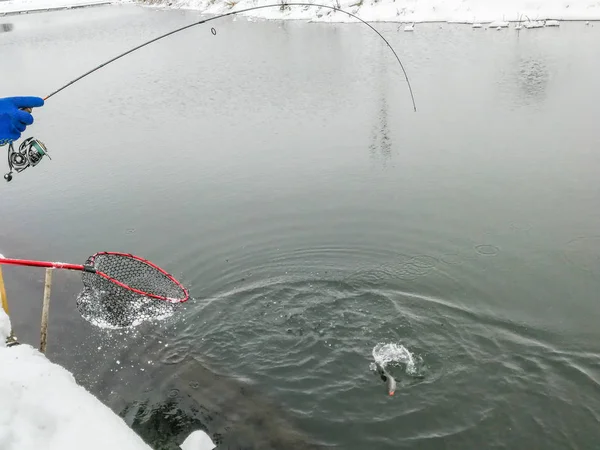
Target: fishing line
[214, 32]
[32, 150]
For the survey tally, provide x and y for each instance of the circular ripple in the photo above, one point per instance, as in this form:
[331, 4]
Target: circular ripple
[451, 259]
[173, 393]
[371, 275]
[423, 261]
[255, 331]
[410, 269]
[175, 355]
[487, 250]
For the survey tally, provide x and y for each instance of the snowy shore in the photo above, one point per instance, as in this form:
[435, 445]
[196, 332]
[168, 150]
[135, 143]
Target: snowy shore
[43, 407]
[406, 11]
[22, 6]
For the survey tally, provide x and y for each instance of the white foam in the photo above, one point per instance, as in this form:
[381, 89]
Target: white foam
[387, 353]
[99, 308]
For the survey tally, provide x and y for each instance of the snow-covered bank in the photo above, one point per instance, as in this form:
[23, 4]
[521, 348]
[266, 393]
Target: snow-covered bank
[459, 11]
[17, 6]
[410, 11]
[43, 407]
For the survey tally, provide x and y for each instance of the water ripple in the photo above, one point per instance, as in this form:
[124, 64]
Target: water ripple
[488, 250]
[311, 340]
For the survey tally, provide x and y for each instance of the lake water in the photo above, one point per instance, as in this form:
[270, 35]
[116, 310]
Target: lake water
[279, 171]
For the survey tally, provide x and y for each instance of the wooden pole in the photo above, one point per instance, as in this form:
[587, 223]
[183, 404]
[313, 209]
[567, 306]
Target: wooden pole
[3, 294]
[46, 310]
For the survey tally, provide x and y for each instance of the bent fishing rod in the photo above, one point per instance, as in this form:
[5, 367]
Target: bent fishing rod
[31, 151]
[231, 13]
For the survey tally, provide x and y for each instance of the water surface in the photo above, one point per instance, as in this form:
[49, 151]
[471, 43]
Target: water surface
[278, 170]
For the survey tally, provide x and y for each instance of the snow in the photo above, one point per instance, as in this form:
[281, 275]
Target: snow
[12, 6]
[43, 407]
[198, 440]
[534, 24]
[498, 24]
[4, 328]
[406, 11]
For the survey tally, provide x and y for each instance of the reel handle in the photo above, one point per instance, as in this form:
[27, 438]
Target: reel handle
[24, 157]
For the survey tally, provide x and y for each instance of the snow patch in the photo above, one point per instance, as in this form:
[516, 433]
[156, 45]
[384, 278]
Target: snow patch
[534, 24]
[4, 328]
[43, 407]
[14, 6]
[198, 440]
[498, 24]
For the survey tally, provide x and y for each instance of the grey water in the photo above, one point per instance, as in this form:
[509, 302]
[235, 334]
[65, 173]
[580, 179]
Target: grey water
[278, 170]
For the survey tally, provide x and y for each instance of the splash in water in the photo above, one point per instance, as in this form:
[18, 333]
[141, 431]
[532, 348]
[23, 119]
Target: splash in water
[392, 353]
[105, 311]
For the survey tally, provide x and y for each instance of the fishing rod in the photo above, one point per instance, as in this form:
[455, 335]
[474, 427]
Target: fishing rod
[31, 151]
[231, 13]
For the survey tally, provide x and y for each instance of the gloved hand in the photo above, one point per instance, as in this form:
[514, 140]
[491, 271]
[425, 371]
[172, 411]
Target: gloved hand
[13, 120]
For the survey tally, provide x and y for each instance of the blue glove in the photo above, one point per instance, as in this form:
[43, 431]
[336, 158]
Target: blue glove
[13, 120]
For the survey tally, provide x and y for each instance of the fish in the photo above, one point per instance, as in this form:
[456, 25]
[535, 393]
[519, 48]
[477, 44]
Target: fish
[389, 380]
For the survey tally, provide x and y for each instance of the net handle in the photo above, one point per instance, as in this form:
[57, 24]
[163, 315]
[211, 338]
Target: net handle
[89, 268]
[47, 264]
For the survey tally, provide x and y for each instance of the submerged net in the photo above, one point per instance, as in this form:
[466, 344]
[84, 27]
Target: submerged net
[122, 293]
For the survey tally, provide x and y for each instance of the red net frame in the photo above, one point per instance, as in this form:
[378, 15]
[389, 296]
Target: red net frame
[91, 267]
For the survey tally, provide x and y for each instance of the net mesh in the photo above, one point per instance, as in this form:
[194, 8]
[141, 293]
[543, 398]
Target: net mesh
[109, 305]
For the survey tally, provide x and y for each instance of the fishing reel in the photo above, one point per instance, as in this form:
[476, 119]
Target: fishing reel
[30, 153]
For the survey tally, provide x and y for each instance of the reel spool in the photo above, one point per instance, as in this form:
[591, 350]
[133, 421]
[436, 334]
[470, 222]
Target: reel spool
[30, 153]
